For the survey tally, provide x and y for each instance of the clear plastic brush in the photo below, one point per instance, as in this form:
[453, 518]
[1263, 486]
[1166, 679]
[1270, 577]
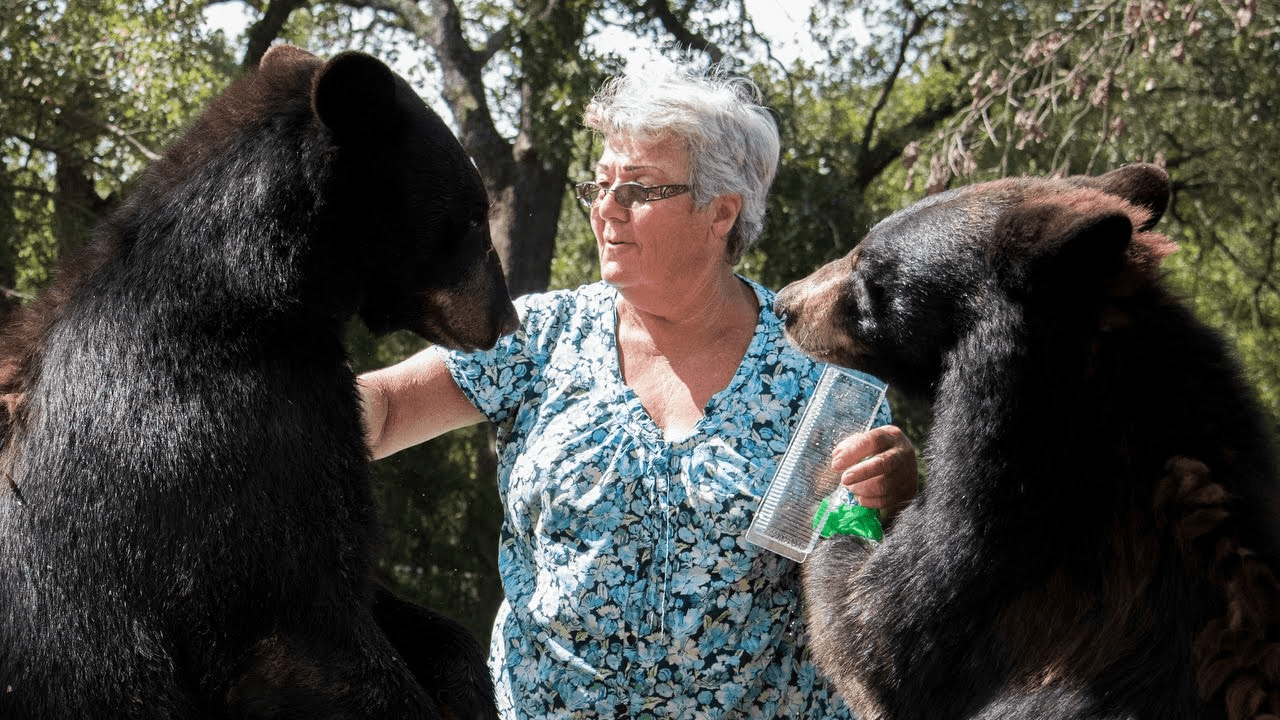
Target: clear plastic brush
[805, 499]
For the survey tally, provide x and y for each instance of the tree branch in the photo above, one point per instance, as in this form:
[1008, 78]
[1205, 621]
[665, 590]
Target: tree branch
[889, 144]
[662, 12]
[84, 119]
[918, 22]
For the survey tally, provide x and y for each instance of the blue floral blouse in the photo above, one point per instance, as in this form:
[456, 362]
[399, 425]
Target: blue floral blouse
[630, 591]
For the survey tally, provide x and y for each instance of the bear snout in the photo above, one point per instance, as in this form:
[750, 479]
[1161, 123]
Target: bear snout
[811, 310]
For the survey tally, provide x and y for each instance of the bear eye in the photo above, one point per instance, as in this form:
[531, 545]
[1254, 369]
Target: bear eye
[867, 294]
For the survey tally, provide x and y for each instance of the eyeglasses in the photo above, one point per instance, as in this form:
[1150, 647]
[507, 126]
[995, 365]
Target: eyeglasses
[628, 194]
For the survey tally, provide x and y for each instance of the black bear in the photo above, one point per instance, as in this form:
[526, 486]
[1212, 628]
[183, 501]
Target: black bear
[1100, 531]
[186, 522]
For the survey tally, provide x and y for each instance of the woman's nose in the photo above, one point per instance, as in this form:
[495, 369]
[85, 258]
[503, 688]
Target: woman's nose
[609, 208]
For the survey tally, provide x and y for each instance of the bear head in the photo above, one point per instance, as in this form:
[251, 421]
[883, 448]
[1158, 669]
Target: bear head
[395, 211]
[408, 179]
[921, 279]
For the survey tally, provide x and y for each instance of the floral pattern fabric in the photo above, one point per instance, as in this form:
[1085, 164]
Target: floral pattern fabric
[630, 589]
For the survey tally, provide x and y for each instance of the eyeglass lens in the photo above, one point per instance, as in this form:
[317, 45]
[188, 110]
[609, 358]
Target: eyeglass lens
[628, 195]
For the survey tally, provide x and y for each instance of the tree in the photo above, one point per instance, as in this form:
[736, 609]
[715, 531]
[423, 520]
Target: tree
[89, 98]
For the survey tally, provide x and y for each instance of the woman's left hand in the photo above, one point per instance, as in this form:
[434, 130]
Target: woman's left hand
[878, 467]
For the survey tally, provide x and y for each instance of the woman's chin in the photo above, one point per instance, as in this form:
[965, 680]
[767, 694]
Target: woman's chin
[612, 272]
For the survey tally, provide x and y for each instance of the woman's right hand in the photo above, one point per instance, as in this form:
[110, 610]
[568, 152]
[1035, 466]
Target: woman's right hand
[879, 468]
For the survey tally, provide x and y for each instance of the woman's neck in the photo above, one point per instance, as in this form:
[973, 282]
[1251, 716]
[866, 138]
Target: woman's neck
[701, 310]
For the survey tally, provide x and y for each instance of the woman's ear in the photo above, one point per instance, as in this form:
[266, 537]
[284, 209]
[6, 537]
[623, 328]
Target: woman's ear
[725, 209]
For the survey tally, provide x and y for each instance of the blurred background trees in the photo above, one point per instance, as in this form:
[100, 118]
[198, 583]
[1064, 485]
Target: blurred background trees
[882, 102]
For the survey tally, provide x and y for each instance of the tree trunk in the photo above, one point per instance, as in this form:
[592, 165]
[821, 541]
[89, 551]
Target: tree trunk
[526, 195]
[77, 205]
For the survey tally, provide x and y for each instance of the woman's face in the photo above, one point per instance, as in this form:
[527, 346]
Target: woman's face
[663, 244]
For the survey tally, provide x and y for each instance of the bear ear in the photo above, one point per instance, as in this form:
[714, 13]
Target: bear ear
[1062, 244]
[1142, 184]
[1092, 245]
[354, 95]
[284, 55]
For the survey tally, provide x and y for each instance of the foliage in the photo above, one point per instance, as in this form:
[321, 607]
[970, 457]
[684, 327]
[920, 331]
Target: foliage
[1067, 88]
[92, 90]
[845, 120]
[576, 261]
[442, 516]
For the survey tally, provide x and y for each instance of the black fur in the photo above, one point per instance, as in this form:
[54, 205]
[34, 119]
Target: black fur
[1098, 537]
[186, 528]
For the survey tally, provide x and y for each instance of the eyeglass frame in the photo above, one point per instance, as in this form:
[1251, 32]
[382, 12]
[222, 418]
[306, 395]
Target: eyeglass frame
[584, 191]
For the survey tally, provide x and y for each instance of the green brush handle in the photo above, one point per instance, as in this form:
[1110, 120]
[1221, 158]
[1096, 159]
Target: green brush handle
[850, 519]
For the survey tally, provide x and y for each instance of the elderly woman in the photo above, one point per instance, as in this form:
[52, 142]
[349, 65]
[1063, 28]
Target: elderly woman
[639, 421]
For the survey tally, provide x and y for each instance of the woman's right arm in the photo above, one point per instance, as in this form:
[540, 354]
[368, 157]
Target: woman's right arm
[411, 402]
